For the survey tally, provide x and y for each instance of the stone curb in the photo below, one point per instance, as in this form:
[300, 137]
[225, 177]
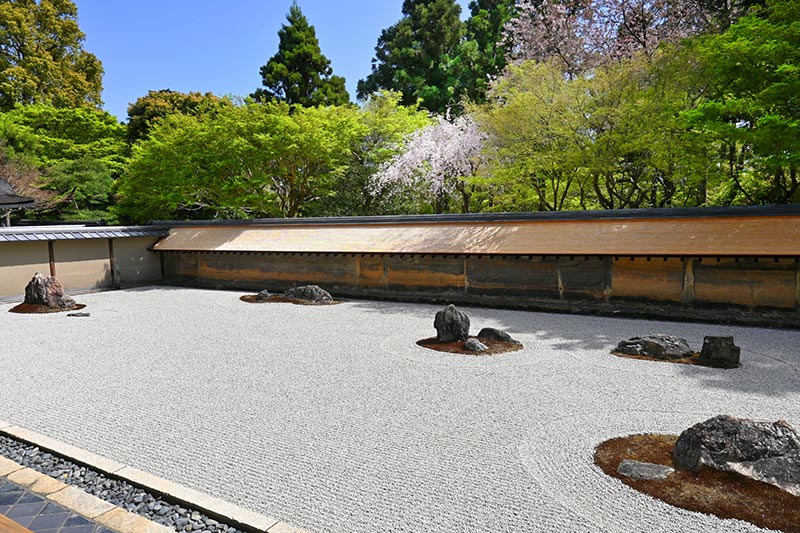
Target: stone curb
[110, 515]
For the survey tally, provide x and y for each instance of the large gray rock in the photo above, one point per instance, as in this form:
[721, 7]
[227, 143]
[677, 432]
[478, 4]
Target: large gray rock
[658, 346]
[47, 291]
[451, 324]
[767, 451]
[720, 352]
[496, 334]
[640, 470]
[309, 293]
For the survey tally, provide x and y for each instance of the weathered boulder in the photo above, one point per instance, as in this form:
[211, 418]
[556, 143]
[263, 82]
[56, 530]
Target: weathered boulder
[262, 296]
[720, 352]
[766, 451]
[658, 346]
[47, 291]
[640, 470]
[451, 324]
[474, 345]
[496, 334]
[309, 293]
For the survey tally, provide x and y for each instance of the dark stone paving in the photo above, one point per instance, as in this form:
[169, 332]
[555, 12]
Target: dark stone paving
[39, 515]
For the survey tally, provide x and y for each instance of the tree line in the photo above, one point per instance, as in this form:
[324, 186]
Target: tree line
[525, 105]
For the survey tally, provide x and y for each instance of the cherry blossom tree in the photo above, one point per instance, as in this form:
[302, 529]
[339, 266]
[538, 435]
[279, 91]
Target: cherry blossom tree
[438, 160]
[584, 34]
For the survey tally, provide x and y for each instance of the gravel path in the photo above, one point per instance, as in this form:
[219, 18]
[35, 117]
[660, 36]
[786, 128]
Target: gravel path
[332, 419]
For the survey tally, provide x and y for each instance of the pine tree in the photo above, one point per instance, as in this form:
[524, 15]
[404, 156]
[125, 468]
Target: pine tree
[482, 54]
[415, 55]
[299, 73]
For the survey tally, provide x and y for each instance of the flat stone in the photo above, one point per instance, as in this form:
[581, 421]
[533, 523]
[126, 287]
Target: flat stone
[74, 453]
[81, 502]
[8, 466]
[474, 345]
[656, 346]
[198, 500]
[121, 520]
[496, 334]
[641, 470]
[25, 477]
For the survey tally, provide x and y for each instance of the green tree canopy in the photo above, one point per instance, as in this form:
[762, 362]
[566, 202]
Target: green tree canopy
[751, 111]
[149, 109]
[42, 58]
[51, 135]
[415, 56]
[78, 152]
[299, 73]
[253, 160]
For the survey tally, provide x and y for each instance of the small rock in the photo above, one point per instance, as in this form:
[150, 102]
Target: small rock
[720, 352]
[310, 293]
[640, 470]
[657, 346]
[474, 345]
[263, 296]
[496, 334]
[451, 325]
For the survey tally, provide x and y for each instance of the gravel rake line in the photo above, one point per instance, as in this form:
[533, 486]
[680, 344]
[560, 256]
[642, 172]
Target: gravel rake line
[115, 491]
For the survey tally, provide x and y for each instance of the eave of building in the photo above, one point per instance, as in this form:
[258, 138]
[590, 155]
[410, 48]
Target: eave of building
[743, 232]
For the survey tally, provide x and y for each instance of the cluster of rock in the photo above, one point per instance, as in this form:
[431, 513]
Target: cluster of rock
[719, 352]
[306, 293]
[764, 451]
[47, 291]
[453, 325]
[114, 491]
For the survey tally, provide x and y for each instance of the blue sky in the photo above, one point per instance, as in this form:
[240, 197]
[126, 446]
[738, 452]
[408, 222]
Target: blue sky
[219, 46]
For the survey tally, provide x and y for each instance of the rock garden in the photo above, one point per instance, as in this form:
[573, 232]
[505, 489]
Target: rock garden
[452, 335]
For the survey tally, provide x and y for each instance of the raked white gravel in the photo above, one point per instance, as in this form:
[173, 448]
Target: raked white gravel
[333, 419]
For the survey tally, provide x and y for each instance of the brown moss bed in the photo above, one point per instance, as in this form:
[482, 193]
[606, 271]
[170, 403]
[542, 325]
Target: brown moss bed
[495, 346]
[33, 309]
[694, 359]
[253, 299]
[722, 494]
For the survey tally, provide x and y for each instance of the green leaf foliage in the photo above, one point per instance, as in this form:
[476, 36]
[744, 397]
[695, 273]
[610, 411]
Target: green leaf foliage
[299, 73]
[252, 160]
[42, 58]
[149, 109]
[51, 135]
[751, 112]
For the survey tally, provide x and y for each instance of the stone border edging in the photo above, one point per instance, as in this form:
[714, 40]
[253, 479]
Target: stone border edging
[109, 514]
